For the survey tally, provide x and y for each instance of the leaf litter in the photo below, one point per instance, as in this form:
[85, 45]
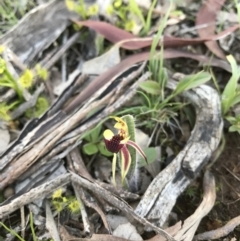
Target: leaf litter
[102, 78]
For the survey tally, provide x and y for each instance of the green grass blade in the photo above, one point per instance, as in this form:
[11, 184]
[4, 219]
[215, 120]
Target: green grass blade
[192, 81]
[229, 92]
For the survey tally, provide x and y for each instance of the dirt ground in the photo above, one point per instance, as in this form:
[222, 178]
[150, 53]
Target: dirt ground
[227, 206]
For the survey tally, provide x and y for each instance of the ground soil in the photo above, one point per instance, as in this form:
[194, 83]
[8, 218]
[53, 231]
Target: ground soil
[227, 206]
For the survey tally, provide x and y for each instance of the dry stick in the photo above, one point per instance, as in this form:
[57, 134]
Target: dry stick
[34, 194]
[117, 202]
[79, 168]
[121, 193]
[220, 232]
[75, 83]
[86, 223]
[62, 50]
[28, 104]
[23, 222]
[62, 180]
[64, 58]
[44, 145]
[191, 224]
[50, 223]
[78, 164]
[92, 203]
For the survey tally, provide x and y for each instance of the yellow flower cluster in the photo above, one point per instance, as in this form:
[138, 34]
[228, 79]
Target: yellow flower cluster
[60, 202]
[26, 79]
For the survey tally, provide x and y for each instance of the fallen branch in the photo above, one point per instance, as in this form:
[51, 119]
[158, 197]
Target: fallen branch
[220, 232]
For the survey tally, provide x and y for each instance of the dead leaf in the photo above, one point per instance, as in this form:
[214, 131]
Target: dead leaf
[132, 42]
[125, 64]
[207, 15]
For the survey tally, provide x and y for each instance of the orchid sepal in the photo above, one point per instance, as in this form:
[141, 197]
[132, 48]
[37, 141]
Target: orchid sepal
[125, 162]
[138, 149]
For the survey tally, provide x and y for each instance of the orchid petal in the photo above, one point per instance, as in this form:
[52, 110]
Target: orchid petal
[121, 124]
[108, 134]
[125, 141]
[114, 144]
[138, 148]
[114, 164]
[125, 162]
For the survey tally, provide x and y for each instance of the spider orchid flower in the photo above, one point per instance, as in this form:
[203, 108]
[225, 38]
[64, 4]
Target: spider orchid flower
[118, 143]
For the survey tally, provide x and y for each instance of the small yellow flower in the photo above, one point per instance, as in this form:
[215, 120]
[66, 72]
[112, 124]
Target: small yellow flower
[57, 194]
[41, 106]
[41, 72]
[110, 10]
[2, 65]
[129, 25]
[117, 3]
[74, 206]
[26, 79]
[93, 10]
[58, 206]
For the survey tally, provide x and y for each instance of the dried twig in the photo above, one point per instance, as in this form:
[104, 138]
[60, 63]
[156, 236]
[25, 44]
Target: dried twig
[50, 224]
[220, 232]
[34, 194]
[117, 202]
[91, 203]
[28, 104]
[86, 222]
[191, 223]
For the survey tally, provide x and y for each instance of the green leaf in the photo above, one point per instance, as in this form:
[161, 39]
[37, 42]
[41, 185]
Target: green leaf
[134, 8]
[151, 154]
[149, 18]
[192, 81]
[151, 87]
[234, 128]
[229, 93]
[95, 133]
[90, 148]
[231, 119]
[103, 150]
[235, 100]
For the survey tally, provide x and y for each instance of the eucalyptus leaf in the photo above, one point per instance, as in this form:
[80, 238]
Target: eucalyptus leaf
[151, 87]
[90, 148]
